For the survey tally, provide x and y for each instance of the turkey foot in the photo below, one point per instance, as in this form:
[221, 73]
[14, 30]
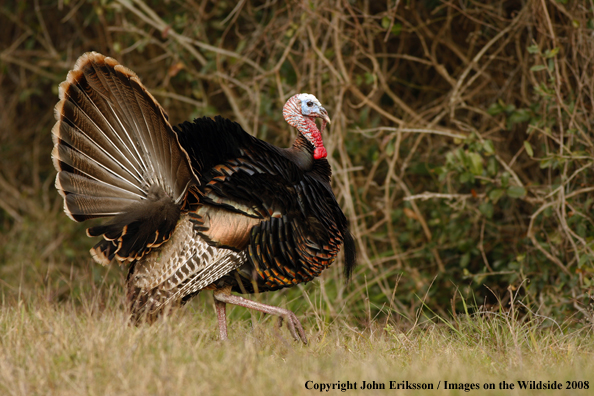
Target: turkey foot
[223, 297]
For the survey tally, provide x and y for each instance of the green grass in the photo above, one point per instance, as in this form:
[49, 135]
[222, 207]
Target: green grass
[84, 345]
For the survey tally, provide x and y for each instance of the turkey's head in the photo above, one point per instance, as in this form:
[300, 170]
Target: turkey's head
[300, 111]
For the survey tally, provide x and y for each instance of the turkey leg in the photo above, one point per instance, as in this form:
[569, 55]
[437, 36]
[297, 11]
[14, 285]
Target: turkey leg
[222, 318]
[223, 297]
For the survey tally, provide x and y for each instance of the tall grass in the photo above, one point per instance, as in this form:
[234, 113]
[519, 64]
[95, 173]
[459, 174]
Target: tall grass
[86, 345]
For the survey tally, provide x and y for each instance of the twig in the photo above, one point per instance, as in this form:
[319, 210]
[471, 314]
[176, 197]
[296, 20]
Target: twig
[37, 70]
[175, 96]
[430, 195]
[414, 130]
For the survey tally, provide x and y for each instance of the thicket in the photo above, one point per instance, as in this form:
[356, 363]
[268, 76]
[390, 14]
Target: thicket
[460, 141]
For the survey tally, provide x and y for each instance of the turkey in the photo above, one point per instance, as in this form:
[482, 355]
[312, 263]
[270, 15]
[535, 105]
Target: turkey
[200, 206]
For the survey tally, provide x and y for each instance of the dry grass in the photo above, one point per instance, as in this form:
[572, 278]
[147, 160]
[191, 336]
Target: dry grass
[86, 346]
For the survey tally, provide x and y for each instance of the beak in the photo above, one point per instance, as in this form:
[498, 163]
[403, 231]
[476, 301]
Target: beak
[324, 115]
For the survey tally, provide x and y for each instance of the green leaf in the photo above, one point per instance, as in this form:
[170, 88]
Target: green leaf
[488, 147]
[584, 258]
[494, 109]
[465, 259]
[495, 194]
[521, 115]
[533, 49]
[551, 53]
[466, 177]
[486, 208]
[516, 192]
[551, 66]
[390, 148]
[505, 179]
[476, 163]
[550, 162]
[509, 108]
[492, 166]
[538, 68]
[396, 28]
[528, 148]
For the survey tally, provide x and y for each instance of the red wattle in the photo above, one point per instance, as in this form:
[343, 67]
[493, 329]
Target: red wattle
[320, 152]
[309, 130]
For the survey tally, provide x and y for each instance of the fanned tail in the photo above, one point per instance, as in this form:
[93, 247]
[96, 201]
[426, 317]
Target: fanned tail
[117, 156]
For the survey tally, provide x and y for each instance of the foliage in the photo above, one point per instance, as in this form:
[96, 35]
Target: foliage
[460, 136]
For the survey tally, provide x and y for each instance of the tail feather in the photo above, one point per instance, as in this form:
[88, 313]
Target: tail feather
[81, 164]
[75, 139]
[81, 117]
[350, 255]
[139, 112]
[92, 207]
[117, 155]
[78, 184]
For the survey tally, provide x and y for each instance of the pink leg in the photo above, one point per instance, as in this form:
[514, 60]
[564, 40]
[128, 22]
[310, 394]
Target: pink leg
[222, 318]
[292, 322]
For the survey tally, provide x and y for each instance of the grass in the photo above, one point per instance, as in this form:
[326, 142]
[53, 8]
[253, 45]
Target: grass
[84, 345]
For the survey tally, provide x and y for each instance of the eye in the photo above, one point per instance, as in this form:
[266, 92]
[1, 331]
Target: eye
[309, 104]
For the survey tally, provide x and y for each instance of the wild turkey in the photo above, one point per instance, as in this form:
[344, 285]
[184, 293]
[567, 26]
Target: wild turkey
[203, 205]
